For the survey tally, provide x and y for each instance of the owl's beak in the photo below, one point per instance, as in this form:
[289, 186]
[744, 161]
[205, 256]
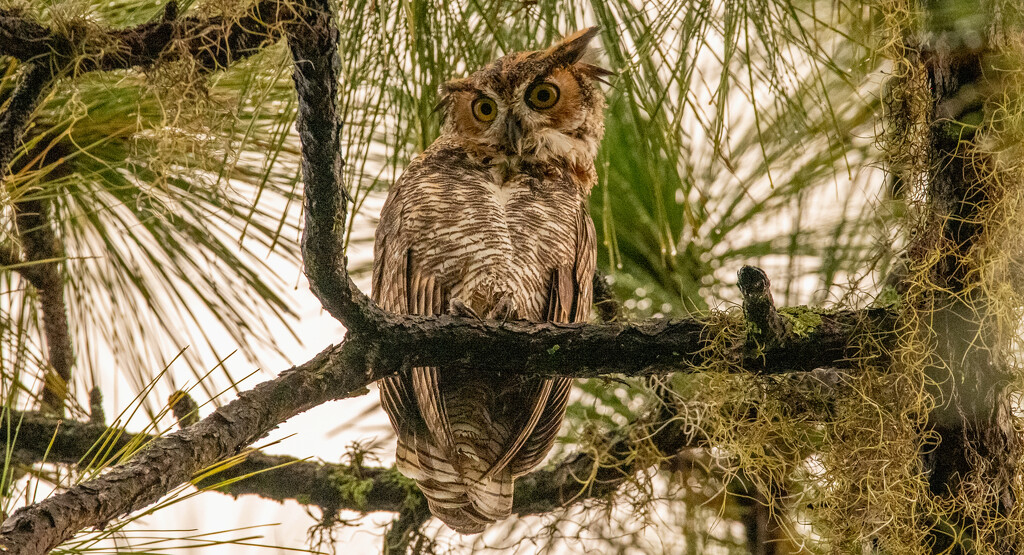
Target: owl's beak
[514, 135]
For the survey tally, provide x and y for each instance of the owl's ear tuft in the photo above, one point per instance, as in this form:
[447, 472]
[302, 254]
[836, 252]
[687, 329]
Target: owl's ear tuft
[441, 108]
[447, 90]
[597, 73]
[572, 48]
[456, 85]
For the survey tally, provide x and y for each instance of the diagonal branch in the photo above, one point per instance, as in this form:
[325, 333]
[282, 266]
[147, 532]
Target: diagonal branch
[173, 460]
[332, 486]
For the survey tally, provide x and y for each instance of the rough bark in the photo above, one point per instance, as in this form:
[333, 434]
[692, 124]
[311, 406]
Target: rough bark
[34, 82]
[339, 372]
[213, 42]
[38, 260]
[314, 47]
[174, 459]
[44, 254]
[978, 447]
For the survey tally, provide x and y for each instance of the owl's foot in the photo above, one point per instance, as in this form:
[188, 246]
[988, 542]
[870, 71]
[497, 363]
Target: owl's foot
[505, 309]
[456, 307]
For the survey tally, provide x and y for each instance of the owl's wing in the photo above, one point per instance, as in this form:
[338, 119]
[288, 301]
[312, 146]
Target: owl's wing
[390, 290]
[569, 299]
[400, 288]
[426, 298]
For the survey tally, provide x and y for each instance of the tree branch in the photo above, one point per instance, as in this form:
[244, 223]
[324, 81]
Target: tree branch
[173, 460]
[43, 252]
[41, 248]
[314, 48]
[39, 437]
[345, 371]
[352, 487]
[35, 81]
[213, 42]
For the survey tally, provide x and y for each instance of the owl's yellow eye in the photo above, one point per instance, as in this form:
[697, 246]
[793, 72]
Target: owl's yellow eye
[542, 96]
[484, 109]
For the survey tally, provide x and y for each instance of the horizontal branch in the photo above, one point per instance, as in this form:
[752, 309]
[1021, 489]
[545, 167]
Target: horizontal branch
[658, 346]
[213, 42]
[43, 437]
[346, 370]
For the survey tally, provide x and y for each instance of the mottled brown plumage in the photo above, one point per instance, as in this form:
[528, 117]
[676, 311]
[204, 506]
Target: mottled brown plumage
[492, 220]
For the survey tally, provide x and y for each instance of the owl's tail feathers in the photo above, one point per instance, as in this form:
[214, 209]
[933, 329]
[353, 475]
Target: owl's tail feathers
[483, 503]
[465, 505]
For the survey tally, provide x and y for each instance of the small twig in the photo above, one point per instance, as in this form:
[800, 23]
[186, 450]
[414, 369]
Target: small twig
[184, 408]
[96, 414]
[403, 535]
[764, 324]
[609, 309]
[170, 11]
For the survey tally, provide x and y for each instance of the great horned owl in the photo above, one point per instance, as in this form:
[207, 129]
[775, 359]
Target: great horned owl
[492, 220]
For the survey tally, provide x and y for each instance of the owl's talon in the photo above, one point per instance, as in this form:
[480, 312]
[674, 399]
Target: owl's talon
[504, 310]
[456, 307]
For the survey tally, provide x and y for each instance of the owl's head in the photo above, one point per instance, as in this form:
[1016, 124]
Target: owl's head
[542, 105]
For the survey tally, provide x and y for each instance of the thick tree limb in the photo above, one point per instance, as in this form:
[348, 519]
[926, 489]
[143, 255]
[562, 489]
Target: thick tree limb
[345, 370]
[314, 46]
[176, 458]
[980, 449]
[213, 42]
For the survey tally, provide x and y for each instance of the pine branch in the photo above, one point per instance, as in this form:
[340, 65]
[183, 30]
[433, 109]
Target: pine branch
[39, 261]
[44, 253]
[334, 487]
[213, 42]
[345, 371]
[174, 459]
